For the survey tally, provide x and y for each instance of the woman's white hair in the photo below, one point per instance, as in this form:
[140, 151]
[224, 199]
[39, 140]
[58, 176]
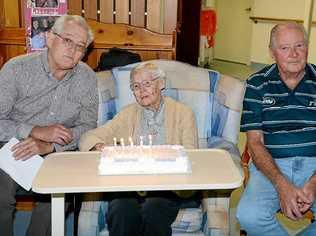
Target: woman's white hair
[60, 23]
[150, 68]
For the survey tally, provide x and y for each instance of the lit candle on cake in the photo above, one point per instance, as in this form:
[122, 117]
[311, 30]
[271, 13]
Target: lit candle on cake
[122, 142]
[141, 143]
[114, 141]
[131, 141]
[150, 140]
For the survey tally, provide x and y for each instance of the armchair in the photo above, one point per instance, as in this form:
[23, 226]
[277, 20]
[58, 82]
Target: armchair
[216, 101]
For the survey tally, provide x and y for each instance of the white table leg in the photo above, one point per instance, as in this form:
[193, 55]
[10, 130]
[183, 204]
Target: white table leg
[58, 214]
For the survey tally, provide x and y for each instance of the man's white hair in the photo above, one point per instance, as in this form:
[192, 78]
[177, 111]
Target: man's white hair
[59, 25]
[286, 25]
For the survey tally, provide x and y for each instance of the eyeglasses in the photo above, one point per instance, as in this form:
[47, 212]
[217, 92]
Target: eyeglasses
[71, 44]
[135, 87]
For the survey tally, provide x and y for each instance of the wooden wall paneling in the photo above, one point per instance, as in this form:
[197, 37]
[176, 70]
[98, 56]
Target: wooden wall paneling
[154, 15]
[150, 55]
[75, 7]
[106, 11]
[12, 16]
[138, 13]
[21, 15]
[170, 16]
[122, 9]
[148, 44]
[165, 55]
[90, 9]
[92, 58]
[10, 51]
[2, 15]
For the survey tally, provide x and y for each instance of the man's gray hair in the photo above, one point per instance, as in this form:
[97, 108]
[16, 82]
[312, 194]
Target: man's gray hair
[150, 68]
[288, 25]
[60, 24]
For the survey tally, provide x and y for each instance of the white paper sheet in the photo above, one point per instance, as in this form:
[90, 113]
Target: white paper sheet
[22, 172]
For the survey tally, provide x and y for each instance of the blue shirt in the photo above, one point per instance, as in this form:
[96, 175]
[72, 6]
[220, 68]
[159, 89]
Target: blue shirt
[286, 117]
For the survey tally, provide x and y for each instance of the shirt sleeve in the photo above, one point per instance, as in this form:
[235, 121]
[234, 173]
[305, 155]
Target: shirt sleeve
[104, 134]
[252, 108]
[8, 97]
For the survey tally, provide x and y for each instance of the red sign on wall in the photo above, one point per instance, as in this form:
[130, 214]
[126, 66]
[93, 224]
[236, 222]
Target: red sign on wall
[208, 25]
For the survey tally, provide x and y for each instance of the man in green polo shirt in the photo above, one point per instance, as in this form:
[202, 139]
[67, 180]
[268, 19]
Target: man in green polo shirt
[279, 116]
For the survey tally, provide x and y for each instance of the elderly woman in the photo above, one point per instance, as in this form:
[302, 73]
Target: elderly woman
[169, 122]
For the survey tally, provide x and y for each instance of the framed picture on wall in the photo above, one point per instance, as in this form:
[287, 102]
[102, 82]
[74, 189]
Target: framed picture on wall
[40, 16]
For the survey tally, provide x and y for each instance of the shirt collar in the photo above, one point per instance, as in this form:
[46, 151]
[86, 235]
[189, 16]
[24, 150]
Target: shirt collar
[310, 72]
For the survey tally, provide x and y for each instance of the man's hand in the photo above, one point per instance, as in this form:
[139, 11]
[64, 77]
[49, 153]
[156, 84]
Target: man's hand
[52, 134]
[309, 189]
[291, 198]
[30, 147]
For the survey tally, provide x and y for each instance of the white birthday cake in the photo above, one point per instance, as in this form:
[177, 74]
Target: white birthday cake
[145, 159]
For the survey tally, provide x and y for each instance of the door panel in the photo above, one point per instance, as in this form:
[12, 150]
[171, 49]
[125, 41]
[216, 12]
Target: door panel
[233, 36]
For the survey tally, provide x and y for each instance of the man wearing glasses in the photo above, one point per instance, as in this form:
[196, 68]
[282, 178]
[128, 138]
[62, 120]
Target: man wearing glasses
[47, 100]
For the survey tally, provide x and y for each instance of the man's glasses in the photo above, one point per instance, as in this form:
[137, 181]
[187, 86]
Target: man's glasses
[71, 44]
[135, 87]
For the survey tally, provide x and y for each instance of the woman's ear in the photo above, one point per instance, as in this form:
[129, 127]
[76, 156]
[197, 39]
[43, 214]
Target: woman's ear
[162, 84]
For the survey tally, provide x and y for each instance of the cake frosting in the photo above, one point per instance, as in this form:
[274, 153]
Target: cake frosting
[145, 159]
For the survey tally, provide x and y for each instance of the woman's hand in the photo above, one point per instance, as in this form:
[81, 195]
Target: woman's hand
[98, 147]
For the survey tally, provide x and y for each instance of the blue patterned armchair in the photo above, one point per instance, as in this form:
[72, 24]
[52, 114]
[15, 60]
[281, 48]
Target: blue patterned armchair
[216, 101]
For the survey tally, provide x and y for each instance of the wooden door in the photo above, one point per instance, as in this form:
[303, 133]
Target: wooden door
[233, 36]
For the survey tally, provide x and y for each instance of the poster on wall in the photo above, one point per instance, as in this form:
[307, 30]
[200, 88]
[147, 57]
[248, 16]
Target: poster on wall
[40, 16]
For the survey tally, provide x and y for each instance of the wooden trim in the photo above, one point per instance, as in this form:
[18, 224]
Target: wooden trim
[138, 13]
[122, 9]
[106, 9]
[75, 7]
[2, 15]
[12, 36]
[106, 34]
[150, 45]
[256, 19]
[90, 9]
[130, 37]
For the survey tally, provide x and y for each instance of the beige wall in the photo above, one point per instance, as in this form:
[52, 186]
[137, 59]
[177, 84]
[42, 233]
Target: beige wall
[287, 9]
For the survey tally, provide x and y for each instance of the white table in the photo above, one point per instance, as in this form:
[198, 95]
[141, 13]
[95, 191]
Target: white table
[76, 172]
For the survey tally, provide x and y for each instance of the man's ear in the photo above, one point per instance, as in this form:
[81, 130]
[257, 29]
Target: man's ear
[271, 52]
[50, 38]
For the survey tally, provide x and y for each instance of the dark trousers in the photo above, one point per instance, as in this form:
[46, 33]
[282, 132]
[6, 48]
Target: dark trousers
[40, 224]
[132, 215]
[41, 215]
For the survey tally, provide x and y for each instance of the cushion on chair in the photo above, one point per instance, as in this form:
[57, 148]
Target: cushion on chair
[227, 106]
[188, 220]
[106, 90]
